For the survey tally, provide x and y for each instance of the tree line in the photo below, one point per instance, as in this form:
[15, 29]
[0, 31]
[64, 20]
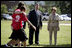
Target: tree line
[63, 7]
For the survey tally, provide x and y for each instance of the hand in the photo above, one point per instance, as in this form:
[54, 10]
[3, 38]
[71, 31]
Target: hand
[34, 28]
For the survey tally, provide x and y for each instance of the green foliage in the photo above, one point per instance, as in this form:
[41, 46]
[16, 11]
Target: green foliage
[27, 9]
[64, 7]
[31, 7]
[3, 9]
[49, 10]
[15, 7]
[58, 10]
[42, 9]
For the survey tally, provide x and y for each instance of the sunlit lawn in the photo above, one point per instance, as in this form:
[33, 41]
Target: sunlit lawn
[63, 36]
[59, 22]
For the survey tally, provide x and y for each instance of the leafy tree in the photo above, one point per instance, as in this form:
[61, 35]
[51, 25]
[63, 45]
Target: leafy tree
[65, 7]
[3, 9]
[42, 9]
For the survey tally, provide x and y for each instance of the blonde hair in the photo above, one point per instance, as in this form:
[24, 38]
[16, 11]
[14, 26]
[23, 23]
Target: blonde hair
[54, 8]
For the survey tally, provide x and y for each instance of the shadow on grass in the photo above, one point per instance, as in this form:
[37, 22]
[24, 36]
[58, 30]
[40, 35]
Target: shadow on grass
[45, 45]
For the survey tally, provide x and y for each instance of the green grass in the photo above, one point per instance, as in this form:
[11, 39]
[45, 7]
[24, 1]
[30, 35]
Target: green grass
[63, 36]
[59, 21]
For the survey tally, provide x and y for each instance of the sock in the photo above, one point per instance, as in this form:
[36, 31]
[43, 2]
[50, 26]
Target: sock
[6, 45]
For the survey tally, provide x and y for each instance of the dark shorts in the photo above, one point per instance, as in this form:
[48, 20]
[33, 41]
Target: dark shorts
[18, 34]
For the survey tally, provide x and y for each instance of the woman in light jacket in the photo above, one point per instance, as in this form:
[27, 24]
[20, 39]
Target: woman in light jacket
[53, 25]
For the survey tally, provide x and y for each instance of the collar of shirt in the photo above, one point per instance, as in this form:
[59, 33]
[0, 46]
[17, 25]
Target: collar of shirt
[38, 12]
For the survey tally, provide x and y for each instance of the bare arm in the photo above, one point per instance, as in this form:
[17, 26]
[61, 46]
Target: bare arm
[31, 24]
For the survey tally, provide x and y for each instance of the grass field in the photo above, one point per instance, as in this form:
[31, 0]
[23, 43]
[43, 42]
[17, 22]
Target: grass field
[63, 36]
[59, 22]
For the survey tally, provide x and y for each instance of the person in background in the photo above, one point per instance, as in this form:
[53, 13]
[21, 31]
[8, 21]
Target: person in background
[36, 19]
[53, 25]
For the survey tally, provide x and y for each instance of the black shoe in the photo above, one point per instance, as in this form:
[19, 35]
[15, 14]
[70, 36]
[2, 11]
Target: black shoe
[4, 46]
[16, 44]
[30, 43]
[37, 43]
[21, 44]
[11, 46]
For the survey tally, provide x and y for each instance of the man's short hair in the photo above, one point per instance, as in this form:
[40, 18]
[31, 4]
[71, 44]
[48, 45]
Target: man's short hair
[22, 8]
[20, 4]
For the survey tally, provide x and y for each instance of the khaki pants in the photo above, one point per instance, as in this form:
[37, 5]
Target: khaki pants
[50, 36]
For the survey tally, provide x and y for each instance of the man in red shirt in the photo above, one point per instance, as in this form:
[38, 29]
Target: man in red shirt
[18, 33]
